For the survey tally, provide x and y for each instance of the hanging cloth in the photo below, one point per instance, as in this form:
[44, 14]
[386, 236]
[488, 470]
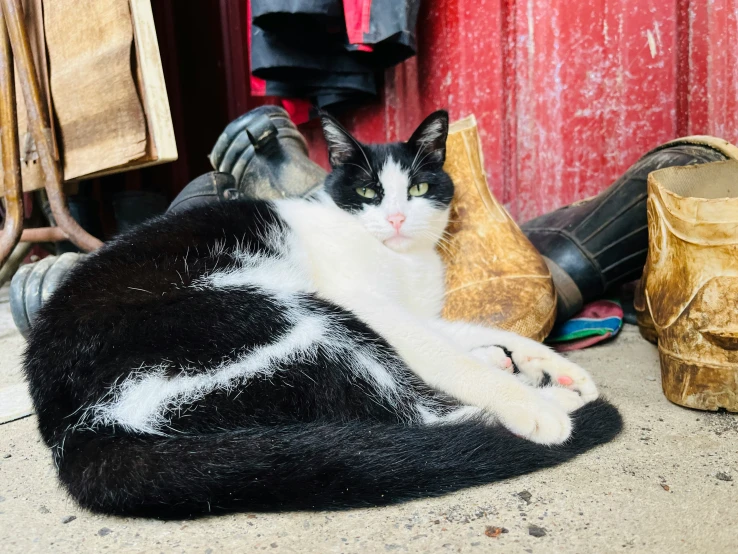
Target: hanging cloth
[329, 52]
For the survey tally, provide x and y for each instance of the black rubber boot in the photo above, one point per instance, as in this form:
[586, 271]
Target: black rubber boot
[267, 156]
[261, 155]
[597, 244]
[206, 189]
[34, 283]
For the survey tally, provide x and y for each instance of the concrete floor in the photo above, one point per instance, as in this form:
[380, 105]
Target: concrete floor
[667, 484]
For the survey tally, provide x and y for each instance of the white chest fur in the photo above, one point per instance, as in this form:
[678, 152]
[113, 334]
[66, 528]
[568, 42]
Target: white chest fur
[346, 264]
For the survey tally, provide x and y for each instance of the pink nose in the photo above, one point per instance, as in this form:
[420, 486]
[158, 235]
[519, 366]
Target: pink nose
[396, 220]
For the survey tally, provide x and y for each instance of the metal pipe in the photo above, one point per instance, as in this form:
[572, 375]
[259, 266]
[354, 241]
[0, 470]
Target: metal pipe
[44, 234]
[38, 121]
[10, 155]
[14, 261]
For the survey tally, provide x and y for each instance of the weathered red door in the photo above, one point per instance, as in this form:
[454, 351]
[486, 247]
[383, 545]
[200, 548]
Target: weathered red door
[567, 93]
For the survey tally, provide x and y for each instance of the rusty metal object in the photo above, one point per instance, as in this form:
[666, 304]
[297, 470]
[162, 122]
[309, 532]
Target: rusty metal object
[9, 144]
[494, 274]
[44, 234]
[39, 125]
[14, 261]
[691, 280]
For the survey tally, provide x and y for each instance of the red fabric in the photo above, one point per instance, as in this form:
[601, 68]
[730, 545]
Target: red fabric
[357, 14]
[298, 109]
[581, 343]
[596, 322]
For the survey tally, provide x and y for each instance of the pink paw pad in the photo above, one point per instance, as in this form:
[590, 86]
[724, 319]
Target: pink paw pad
[507, 362]
[565, 380]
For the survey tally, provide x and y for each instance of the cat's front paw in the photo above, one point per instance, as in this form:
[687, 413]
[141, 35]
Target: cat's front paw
[548, 368]
[493, 356]
[567, 400]
[541, 421]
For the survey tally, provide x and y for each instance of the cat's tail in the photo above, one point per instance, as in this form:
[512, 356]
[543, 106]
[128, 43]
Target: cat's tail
[308, 465]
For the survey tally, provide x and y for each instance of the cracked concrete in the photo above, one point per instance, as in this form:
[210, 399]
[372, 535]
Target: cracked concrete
[667, 484]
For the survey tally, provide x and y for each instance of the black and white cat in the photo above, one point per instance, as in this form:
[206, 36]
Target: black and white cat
[290, 355]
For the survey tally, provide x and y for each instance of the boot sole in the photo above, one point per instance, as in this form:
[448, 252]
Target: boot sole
[699, 385]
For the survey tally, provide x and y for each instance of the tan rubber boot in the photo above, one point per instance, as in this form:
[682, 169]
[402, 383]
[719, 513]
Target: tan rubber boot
[691, 282]
[724, 148]
[494, 274]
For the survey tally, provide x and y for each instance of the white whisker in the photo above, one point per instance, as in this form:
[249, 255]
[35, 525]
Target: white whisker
[416, 169]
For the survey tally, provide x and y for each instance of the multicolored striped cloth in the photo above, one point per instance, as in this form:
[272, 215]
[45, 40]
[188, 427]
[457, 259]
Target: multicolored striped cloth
[598, 321]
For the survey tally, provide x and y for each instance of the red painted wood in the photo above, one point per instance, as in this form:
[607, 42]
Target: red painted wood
[708, 79]
[567, 94]
[594, 91]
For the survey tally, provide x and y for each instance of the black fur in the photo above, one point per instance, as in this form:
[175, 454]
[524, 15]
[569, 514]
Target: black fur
[546, 381]
[315, 465]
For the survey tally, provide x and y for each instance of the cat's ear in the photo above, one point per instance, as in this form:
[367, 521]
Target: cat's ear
[429, 139]
[341, 145]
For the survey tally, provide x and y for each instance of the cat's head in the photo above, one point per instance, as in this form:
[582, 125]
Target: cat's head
[398, 191]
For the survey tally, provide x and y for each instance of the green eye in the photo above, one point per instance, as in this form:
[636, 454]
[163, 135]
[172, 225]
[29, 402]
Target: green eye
[418, 190]
[366, 192]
